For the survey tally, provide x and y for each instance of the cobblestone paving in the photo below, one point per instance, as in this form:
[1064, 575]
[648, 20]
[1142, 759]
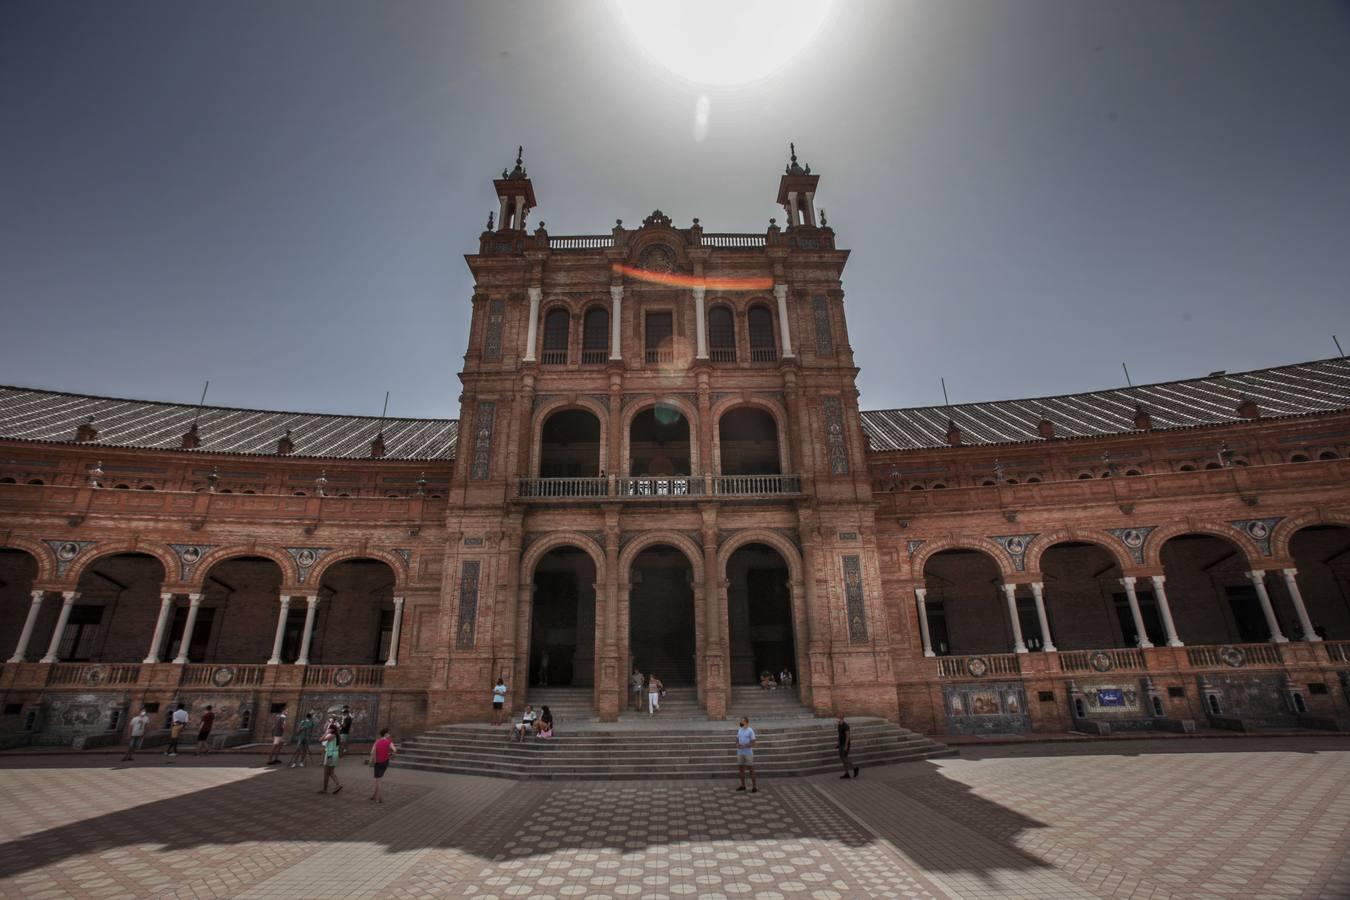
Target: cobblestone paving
[1247, 818]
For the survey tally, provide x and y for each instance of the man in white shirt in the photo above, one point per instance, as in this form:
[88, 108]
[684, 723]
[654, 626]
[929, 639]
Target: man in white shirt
[177, 723]
[745, 755]
[138, 726]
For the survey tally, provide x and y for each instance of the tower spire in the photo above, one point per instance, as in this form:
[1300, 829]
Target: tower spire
[515, 195]
[797, 192]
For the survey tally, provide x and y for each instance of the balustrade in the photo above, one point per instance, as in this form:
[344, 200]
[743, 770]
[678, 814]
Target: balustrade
[219, 675]
[94, 674]
[1232, 655]
[344, 676]
[1337, 651]
[636, 487]
[1102, 660]
[981, 666]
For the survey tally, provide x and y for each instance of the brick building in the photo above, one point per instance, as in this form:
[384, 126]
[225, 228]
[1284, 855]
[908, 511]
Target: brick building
[661, 461]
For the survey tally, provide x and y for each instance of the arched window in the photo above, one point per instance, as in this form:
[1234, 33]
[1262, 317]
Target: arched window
[988, 482]
[939, 486]
[121, 487]
[917, 487]
[556, 326]
[227, 491]
[762, 346]
[7, 480]
[721, 334]
[1299, 457]
[37, 481]
[1133, 472]
[299, 493]
[1213, 465]
[1186, 467]
[1034, 479]
[595, 336]
[147, 487]
[1012, 481]
[250, 492]
[1328, 454]
[1085, 476]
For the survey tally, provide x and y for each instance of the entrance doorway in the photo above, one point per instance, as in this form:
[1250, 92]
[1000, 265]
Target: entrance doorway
[661, 615]
[562, 619]
[759, 613]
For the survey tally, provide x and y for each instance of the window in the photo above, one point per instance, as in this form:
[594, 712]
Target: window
[595, 336]
[1133, 472]
[121, 487]
[916, 487]
[762, 347]
[80, 639]
[7, 480]
[1213, 465]
[36, 481]
[721, 334]
[1085, 476]
[147, 487]
[988, 482]
[1298, 457]
[1328, 454]
[1034, 479]
[1186, 467]
[557, 325]
[659, 337]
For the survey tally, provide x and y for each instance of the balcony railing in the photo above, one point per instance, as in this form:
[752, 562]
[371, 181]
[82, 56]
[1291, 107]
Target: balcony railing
[581, 242]
[654, 356]
[344, 676]
[1101, 660]
[553, 357]
[94, 674]
[217, 675]
[1233, 655]
[733, 240]
[1337, 651]
[763, 354]
[723, 354]
[983, 666]
[594, 357]
[635, 487]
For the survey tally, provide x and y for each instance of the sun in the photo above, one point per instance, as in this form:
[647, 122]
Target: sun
[724, 42]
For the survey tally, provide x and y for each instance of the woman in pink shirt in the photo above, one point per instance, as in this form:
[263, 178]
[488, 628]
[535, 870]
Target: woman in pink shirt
[380, 754]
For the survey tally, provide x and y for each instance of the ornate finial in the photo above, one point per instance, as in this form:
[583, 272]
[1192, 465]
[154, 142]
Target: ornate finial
[618, 223]
[213, 479]
[823, 221]
[520, 154]
[773, 223]
[490, 226]
[422, 484]
[321, 482]
[793, 149]
[95, 474]
[695, 220]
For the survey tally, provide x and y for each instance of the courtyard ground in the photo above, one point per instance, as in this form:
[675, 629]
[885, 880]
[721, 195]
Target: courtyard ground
[1251, 817]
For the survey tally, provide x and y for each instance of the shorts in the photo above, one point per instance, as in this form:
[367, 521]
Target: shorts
[343, 738]
[136, 741]
[381, 768]
[745, 757]
[496, 704]
[278, 740]
[203, 735]
[843, 754]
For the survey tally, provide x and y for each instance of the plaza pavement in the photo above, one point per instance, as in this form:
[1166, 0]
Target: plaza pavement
[1251, 817]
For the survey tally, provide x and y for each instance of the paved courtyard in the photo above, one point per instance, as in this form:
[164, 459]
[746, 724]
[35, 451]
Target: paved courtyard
[1140, 819]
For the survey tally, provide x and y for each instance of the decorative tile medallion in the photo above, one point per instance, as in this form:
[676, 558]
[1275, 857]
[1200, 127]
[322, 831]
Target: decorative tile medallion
[1015, 545]
[1133, 539]
[188, 557]
[66, 552]
[1259, 530]
[305, 558]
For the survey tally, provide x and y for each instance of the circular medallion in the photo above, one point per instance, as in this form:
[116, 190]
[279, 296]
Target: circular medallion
[1232, 657]
[1101, 661]
[1258, 529]
[1016, 546]
[343, 677]
[95, 675]
[1132, 537]
[977, 666]
[222, 676]
[68, 551]
[191, 554]
[305, 558]
[657, 258]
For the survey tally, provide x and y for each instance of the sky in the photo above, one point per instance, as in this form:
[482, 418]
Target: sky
[277, 197]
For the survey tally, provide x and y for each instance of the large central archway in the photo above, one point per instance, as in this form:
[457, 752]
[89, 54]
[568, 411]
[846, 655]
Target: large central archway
[562, 619]
[662, 631]
[759, 614]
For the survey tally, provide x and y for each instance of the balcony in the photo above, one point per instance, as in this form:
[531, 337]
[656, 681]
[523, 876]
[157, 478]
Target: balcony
[658, 487]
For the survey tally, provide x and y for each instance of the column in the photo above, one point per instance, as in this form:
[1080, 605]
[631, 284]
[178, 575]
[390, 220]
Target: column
[615, 321]
[67, 601]
[398, 627]
[1128, 583]
[34, 607]
[161, 627]
[1010, 594]
[780, 292]
[280, 636]
[313, 600]
[921, 597]
[810, 208]
[501, 215]
[1038, 593]
[701, 324]
[194, 604]
[1291, 583]
[1258, 579]
[536, 294]
[1160, 594]
[520, 212]
[792, 208]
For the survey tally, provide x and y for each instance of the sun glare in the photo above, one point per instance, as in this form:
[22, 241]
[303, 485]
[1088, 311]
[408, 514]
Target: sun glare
[724, 42]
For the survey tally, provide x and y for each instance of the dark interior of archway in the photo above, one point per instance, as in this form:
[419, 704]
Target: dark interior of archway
[569, 445]
[759, 614]
[356, 616]
[661, 615]
[246, 590]
[562, 620]
[18, 570]
[114, 618]
[658, 442]
[1322, 556]
[1084, 601]
[748, 438]
[966, 611]
[1212, 600]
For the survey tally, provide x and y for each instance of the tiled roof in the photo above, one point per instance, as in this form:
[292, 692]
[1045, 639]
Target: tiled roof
[30, 415]
[1299, 389]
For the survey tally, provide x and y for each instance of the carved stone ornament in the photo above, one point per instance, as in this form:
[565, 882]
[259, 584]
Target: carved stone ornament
[222, 676]
[1133, 539]
[657, 258]
[95, 675]
[1101, 661]
[305, 558]
[1015, 545]
[188, 557]
[343, 677]
[1259, 530]
[1233, 657]
[66, 551]
[977, 666]
[657, 219]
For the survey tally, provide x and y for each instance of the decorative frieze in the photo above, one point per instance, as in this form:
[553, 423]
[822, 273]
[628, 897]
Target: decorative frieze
[188, 557]
[480, 468]
[1015, 545]
[835, 449]
[855, 603]
[820, 313]
[492, 346]
[466, 634]
[1259, 530]
[1133, 539]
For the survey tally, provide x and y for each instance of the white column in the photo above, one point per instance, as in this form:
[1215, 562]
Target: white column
[282, 616]
[520, 212]
[161, 626]
[309, 630]
[34, 607]
[194, 604]
[780, 291]
[501, 215]
[1128, 583]
[532, 333]
[67, 601]
[1010, 593]
[1258, 580]
[398, 627]
[921, 597]
[701, 324]
[1038, 593]
[792, 208]
[1160, 594]
[810, 210]
[1291, 582]
[616, 321]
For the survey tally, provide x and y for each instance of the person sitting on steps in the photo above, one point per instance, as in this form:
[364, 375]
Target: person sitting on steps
[544, 728]
[526, 723]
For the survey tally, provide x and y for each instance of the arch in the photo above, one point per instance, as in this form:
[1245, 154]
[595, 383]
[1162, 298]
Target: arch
[1283, 535]
[778, 542]
[740, 433]
[555, 335]
[290, 574]
[595, 328]
[41, 553]
[167, 559]
[542, 414]
[685, 408]
[772, 407]
[1044, 542]
[328, 560]
[539, 548]
[722, 332]
[982, 545]
[692, 552]
[1153, 546]
[759, 328]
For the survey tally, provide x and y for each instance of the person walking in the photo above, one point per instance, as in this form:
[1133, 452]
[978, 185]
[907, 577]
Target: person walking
[278, 736]
[845, 745]
[204, 731]
[303, 729]
[331, 754]
[177, 722]
[345, 730]
[138, 726]
[654, 687]
[635, 688]
[745, 755]
[380, 754]
[498, 701]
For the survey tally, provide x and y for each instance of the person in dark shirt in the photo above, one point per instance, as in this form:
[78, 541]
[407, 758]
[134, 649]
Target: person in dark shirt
[845, 745]
[345, 734]
[204, 730]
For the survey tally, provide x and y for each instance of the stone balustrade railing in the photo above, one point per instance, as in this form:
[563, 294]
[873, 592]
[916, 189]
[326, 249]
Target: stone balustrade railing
[93, 674]
[1128, 659]
[344, 677]
[1337, 651]
[1227, 656]
[222, 675]
[657, 487]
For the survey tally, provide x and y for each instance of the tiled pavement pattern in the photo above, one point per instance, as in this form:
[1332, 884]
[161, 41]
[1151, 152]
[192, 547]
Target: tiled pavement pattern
[1141, 819]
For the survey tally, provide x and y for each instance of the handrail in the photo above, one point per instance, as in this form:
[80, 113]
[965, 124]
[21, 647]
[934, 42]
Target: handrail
[729, 239]
[581, 242]
[1105, 660]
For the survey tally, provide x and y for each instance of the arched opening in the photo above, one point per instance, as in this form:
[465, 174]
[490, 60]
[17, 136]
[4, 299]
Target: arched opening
[595, 336]
[1322, 559]
[1328, 455]
[661, 615]
[18, 571]
[762, 346]
[569, 445]
[1086, 604]
[557, 327]
[354, 623]
[1212, 599]
[759, 614]
[562, 619]
[244, 594]
[113, 619]
[721, 334]
[8, 479]
[658, 442]
[966, 609]
[748, 442]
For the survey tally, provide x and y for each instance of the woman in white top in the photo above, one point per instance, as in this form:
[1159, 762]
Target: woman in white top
[526, 723]
[653, 694]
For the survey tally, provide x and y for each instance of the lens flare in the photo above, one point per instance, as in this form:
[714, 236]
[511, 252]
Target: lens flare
[674, 279]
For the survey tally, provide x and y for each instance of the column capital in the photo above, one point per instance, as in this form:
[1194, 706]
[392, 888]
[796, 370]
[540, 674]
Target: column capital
[1128, 581]
[780, 291]
[616, 292]
[921, 593]
[38, 596]
[284, 599]
[700, 291]
[1009, 588]
[1289, 571]
[1037, 587]
[195, 599]
[536, 293]
[1157, 579]
[398, 599]
[167, 596]
[69, 596]
[312, 600]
